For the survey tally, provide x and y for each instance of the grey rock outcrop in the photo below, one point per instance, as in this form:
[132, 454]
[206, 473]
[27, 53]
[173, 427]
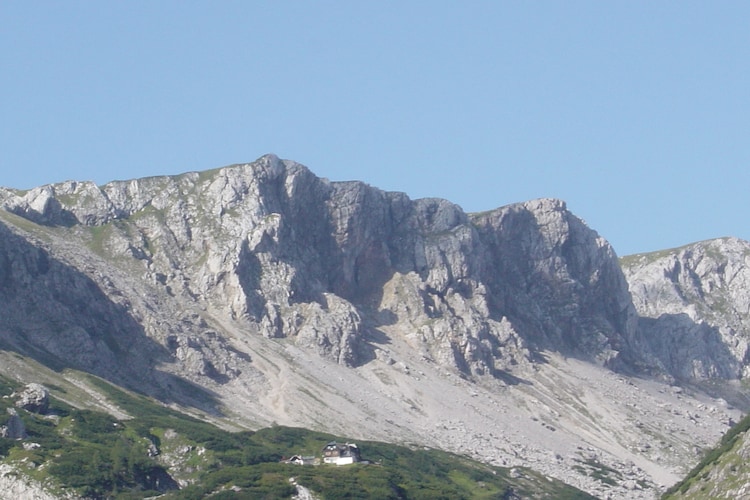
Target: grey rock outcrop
[694, 307]
[558, 279]
[14, 428]
[33, 398]
[326, 264]
[284, 254]
[14, 483]
[65, 306]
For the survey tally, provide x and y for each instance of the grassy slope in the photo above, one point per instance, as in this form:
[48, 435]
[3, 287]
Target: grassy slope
[722, 455]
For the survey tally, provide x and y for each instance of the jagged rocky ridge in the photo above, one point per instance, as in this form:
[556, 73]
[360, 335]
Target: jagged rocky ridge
[291, 255]
[263, 293]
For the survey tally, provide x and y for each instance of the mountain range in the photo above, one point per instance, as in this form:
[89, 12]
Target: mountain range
[260, 294]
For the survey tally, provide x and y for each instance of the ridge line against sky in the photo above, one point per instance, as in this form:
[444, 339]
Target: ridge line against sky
[636, 113]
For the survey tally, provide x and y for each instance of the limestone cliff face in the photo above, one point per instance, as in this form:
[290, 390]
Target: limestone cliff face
[66, 307]
[326, 264]
[261, 293]
[694, 304]
[284, 254]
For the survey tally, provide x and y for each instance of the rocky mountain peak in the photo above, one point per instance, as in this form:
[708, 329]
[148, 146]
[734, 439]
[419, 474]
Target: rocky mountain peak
[276, 247]
[261, 293]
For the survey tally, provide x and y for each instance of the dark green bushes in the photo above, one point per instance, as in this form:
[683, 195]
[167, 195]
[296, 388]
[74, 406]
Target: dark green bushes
[99, 470]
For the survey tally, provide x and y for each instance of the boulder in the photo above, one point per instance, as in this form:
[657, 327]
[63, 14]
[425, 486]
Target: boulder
[14, 428]
[33, 398]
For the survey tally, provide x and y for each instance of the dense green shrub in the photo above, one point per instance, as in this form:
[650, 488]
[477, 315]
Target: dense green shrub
[5, 446]
[97, 427]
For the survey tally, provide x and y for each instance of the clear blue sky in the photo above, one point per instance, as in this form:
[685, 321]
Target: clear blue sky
[635, 113]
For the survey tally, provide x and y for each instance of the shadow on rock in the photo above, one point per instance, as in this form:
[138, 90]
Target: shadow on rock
[58, 316]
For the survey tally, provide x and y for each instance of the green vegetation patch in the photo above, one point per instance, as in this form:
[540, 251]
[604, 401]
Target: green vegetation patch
[26, 225]
[599, 471]
[649, 257]
[97, 455]
[713, 457]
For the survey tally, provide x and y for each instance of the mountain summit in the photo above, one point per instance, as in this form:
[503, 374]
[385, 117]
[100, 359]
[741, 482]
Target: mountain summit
[260, 293]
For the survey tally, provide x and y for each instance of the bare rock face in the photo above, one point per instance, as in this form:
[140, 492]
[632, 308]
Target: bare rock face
[284, 254]
[332, 328]
[326, 264]
[559, 280]
[34, 398]
[61, 315]
[264, 293]
[694, 305]
[14, 428]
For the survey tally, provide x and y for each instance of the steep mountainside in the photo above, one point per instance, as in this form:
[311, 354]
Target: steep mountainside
[723, 473]
[288, 255]
[260, 293]
[694, 308]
